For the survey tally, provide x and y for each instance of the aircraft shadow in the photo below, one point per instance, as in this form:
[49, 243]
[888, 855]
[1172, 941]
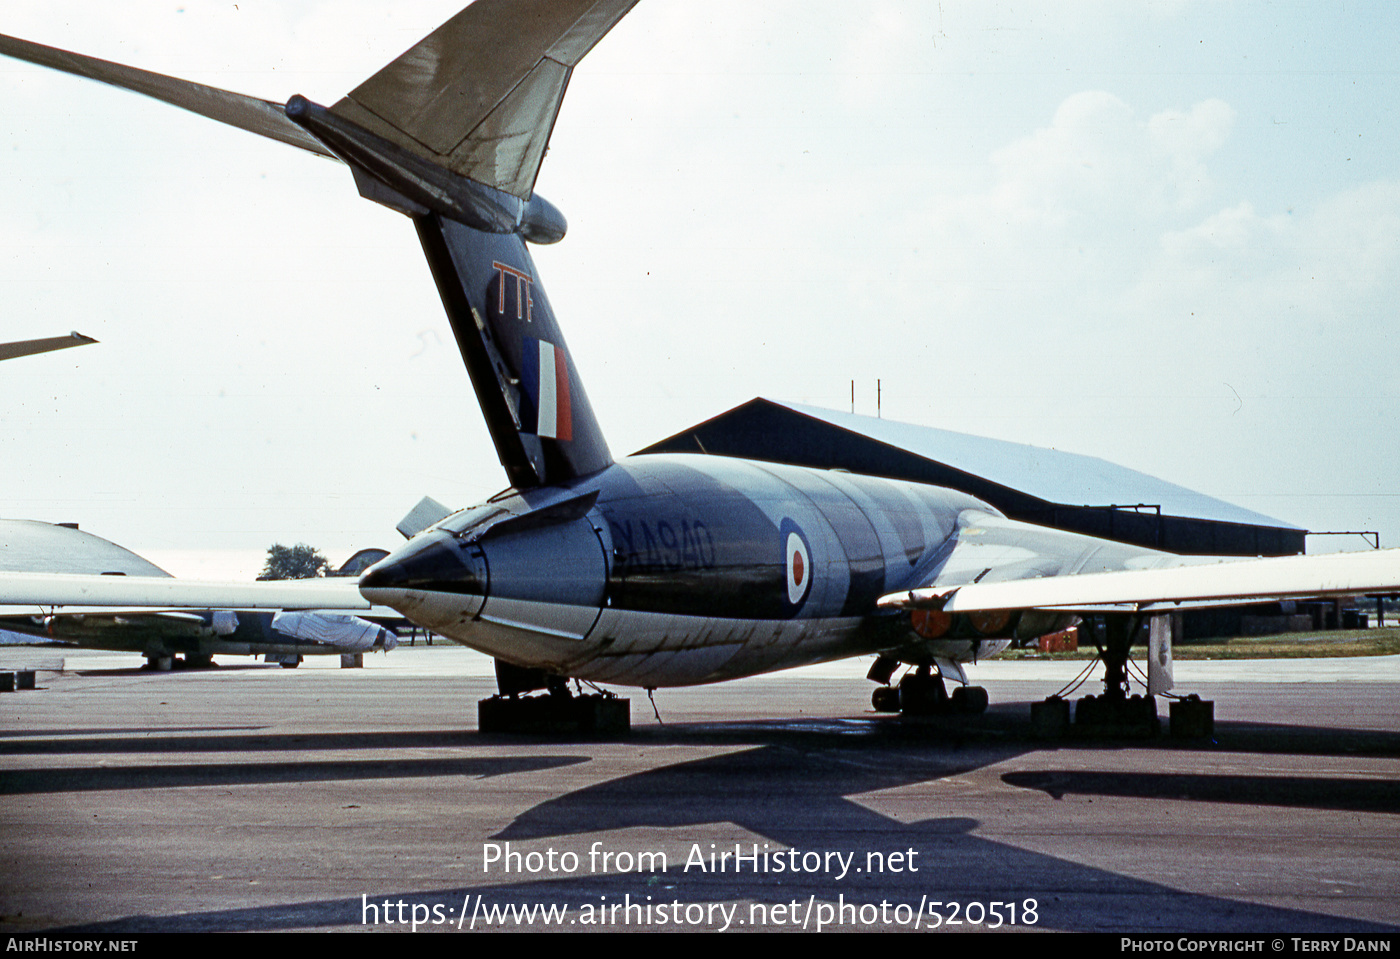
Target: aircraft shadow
[1309, 792]
[793, 789]
[104, 730]
[88, 778]
[274, 742]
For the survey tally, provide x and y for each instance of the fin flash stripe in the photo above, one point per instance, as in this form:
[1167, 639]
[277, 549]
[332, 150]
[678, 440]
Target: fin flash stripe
[545, 378]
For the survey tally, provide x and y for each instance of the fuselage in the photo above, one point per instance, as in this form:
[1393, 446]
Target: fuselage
[669, 570]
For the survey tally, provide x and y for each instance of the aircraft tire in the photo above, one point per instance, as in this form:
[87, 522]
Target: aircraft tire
[922, 695]
[1087, 711]
[885, 699]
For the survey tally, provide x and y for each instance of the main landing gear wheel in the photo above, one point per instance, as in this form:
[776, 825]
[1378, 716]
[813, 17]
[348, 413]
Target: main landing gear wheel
[591, 714]
[969, 699]
[885, 699]
[1114, 713]
[1109, 710]
[923, 693]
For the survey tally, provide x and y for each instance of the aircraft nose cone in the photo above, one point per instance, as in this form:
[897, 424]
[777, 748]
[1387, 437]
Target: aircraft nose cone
[439, 565]
[391, 640]
[380, 577]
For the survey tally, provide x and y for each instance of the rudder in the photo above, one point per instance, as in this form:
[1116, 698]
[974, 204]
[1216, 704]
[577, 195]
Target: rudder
[524, 376]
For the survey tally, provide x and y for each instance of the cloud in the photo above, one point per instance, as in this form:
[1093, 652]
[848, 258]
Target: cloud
[1325, 275]
[1068, 218]
[1097, 165]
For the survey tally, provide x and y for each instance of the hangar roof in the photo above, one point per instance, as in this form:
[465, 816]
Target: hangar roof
[1069, 479]
[1069, 491]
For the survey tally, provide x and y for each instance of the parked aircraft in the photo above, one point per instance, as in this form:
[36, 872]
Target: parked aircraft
[655, 570]
[33, 547]
[164, 636]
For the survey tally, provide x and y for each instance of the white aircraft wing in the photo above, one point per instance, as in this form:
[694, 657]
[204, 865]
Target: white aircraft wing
[1164, 590]
[156, 592]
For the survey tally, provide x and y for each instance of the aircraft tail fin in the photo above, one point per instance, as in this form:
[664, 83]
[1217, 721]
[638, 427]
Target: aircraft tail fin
[524, 376]
[452, 134]
[477, 97]
[457, 126]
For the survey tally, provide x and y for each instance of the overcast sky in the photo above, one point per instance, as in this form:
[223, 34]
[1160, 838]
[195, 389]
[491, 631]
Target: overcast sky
[1166, 234]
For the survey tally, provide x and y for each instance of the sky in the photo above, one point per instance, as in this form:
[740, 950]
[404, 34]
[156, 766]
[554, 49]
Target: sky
[1166, 234]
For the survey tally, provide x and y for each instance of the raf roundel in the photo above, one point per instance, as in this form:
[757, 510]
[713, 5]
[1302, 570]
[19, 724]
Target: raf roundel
[798, 563]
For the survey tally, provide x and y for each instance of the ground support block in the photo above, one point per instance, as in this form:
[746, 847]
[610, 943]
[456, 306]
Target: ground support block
[1050, 718]
[604, 715]
[1192, 718]
[1101, 717]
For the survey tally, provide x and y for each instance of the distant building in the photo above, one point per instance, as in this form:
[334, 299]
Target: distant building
[1083, 494]
[360, 562]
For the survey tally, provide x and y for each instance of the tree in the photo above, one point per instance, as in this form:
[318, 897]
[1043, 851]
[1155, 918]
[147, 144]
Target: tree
[294, 562]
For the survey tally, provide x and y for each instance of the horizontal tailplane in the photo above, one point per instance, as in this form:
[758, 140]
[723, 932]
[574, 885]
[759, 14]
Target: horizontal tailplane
[478, 96]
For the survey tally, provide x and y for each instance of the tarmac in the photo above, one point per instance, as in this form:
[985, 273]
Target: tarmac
[254, 798]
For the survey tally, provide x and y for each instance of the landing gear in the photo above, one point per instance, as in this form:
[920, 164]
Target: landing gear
[922, 693]
[969, 699]
[1115, 713]
[288, 661]
[556, 711]
[885, 699]
[1118, 715]
[164, 662]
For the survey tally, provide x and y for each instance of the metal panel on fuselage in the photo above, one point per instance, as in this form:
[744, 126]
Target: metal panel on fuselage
[700, 535]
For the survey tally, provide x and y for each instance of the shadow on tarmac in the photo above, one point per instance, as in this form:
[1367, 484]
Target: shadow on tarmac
[791, 783]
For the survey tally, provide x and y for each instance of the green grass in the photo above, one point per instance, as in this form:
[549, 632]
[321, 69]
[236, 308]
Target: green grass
[1344, 642]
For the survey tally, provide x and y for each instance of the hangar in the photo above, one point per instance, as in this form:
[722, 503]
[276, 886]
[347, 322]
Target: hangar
[1069, 491]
